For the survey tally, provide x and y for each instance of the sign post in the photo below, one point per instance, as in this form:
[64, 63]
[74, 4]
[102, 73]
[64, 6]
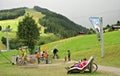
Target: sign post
[102, 39]
[98, 26]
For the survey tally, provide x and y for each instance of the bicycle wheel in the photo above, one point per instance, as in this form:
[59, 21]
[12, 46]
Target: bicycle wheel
[19, 62]
[94, 67]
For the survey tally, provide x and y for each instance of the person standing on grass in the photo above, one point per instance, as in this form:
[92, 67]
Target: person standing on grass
[69, 55]
[46, 56]
[38, 57]
[55, 53]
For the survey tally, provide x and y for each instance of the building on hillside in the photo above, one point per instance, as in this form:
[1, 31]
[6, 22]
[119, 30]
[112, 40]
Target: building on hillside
[116, 27]
[81, 33]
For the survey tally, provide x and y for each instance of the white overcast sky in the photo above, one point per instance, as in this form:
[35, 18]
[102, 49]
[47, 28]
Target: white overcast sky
[78, 11]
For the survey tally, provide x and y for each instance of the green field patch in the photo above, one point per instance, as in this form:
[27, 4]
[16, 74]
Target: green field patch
[88, 45]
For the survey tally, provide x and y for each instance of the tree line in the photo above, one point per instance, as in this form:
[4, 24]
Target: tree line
[110, 28]
[12, 13]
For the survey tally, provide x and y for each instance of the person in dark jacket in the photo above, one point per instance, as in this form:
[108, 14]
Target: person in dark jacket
[55, 53]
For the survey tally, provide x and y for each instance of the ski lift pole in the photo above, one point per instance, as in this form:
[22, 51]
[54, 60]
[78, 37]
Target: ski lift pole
[7, 41]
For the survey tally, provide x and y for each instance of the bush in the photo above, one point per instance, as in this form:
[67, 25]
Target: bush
[0, 28]
[3, 39]
[14, 43]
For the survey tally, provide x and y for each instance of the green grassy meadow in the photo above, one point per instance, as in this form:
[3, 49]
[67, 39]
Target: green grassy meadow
[80, 46]
[88, 45]
[7, 69]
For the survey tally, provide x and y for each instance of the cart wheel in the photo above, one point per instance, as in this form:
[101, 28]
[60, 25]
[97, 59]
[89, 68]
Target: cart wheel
[94, 67]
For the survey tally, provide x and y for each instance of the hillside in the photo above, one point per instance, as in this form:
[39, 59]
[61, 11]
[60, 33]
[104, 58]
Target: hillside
[12, 13]
[60, 26]
[14, 24]
[87, 45]
[57, 21]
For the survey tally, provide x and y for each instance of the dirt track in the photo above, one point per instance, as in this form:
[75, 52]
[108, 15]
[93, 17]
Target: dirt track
[101, 68]
[113, 70]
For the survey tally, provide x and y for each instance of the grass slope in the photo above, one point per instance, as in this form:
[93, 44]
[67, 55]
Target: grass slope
[6, 69]
[80, 46]
[14, 25]
[14, 22]
[87, 45]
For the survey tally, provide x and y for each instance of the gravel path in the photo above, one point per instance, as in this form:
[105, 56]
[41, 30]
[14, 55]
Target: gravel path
[101, 68]
[113, 70]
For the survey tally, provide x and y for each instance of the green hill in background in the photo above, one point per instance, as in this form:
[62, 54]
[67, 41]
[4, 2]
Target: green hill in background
[49, 23]
[14, 22]
[59, 24]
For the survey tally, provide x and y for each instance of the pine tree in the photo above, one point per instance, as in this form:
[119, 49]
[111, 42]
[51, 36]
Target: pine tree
[28, 32]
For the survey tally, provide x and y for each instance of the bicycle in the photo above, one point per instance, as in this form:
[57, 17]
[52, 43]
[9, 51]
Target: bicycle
[21, 61]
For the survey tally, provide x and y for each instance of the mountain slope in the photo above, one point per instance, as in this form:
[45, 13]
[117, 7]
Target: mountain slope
[54, 23]
[14, 22]
[12, 13]
[59, 24]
